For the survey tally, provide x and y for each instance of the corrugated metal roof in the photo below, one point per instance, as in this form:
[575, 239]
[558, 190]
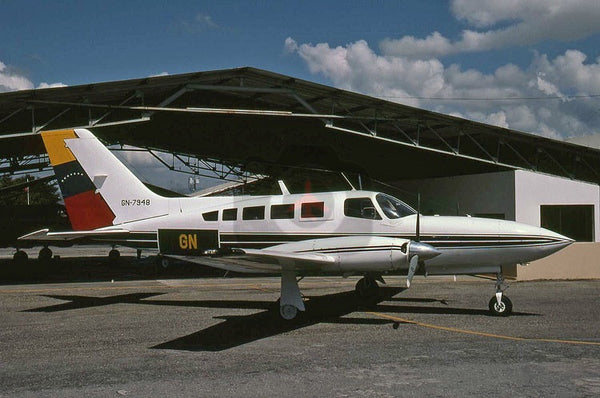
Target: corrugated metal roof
[356, 131]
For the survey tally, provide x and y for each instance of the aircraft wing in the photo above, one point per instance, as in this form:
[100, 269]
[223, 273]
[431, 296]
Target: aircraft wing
[261, 261]
[201, 246]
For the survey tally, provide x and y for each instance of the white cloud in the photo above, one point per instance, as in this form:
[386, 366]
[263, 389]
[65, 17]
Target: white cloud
[11, 81]
[411, 81]
[50, 85]
[200, 23]
[206, 20]
[528, 22]
[410, 70]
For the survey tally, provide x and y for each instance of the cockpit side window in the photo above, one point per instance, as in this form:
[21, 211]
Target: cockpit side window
[361, 208]
[392, 207]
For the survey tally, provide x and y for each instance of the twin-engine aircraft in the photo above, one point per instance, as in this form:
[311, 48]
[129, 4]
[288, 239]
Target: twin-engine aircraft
[348, 233]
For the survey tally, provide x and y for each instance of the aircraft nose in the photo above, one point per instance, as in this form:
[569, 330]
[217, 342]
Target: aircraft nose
[538, 233]
[559, 239]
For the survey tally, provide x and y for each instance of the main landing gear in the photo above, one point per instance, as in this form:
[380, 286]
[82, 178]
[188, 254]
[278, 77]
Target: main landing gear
[500, 305]
[367, 286]
[291, 299]
[113, 257]
[45, 254]
[20, 256]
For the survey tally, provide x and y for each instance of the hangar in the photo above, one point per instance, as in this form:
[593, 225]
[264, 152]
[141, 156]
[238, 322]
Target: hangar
[238, 123]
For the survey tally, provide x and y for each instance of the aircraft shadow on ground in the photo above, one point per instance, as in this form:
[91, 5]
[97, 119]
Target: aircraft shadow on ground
[77, 302]
[238, 330]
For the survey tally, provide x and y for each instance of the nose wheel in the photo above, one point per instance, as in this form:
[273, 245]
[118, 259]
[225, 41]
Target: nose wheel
[502, 308]
[500, 304]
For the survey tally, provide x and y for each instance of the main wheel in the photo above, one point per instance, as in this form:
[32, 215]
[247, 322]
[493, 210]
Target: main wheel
[504, 308]
[366, 287]
[113, 257]
[164, 262]
[20, 256]
[45, 254]
[288, 312]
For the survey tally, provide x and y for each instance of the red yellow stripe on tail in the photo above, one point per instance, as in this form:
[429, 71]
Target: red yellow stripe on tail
[86, 209]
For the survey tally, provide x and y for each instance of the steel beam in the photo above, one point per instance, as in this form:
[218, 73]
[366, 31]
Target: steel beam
[452, 149]
[494, 160]
[40, 128]
[12, 114]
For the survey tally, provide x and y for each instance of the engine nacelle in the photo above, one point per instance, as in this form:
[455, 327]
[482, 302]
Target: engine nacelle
[353, 252]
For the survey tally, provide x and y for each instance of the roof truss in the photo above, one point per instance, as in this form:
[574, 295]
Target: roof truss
[250, 99]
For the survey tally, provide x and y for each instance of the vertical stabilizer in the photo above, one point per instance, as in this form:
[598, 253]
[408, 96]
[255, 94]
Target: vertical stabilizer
[97, 188]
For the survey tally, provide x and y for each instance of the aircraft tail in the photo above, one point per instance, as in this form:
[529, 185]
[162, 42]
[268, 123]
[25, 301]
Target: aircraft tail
[97, 188]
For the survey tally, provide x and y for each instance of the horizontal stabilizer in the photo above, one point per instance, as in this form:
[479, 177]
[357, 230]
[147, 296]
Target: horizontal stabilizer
[44, 235]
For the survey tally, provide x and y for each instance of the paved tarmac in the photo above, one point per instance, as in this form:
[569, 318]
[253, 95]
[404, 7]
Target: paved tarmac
[220, 337]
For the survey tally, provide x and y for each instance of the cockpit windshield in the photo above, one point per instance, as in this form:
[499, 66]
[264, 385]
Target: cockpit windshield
[392, 207]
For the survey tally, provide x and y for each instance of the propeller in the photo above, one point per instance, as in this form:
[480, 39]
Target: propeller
[418, 252]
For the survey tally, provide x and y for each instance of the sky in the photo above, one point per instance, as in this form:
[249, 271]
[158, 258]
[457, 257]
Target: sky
[529, 65]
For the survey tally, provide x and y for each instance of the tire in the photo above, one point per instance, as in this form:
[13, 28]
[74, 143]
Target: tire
[20, 256]
[288, 312]
[113, 257]
[505, 309]
[366, 288]
[45, 254]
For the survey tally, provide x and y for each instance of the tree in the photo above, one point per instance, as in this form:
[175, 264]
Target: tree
[40, 193]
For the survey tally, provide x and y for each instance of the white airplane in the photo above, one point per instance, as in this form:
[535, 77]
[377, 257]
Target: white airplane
[349, 232]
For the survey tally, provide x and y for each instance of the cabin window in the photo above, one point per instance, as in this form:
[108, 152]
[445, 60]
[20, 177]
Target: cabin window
[573, 221]
[211, 216]
[361, 208]
[229, 215]
[282, 211]
[253, 213]
[312, 210]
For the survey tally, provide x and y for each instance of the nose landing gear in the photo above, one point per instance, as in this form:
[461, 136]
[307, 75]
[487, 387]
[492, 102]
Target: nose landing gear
[500, 305]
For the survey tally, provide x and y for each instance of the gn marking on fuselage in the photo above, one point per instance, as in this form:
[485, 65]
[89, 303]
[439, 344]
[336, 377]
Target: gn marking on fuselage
[188, 241]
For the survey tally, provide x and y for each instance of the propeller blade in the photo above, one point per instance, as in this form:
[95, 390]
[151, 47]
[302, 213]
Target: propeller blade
[412, 268]
[418, 251]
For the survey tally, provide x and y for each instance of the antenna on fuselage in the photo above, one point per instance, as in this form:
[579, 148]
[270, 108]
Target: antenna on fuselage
[283, 187]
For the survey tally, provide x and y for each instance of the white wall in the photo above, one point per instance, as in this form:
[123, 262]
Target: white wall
[518, 194]
[533, 190]
[475, 194]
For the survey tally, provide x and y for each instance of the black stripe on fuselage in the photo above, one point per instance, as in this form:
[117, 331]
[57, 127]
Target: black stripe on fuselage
[260, 241]
[225, 238]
